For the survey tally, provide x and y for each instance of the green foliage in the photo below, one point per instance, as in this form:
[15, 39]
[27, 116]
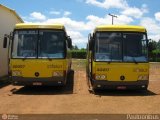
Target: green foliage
[157, 51]
[75, 47]
[154, 51]
[81, 54]
[152, 45]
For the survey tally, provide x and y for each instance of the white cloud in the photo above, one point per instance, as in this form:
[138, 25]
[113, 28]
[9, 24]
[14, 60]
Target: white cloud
[123, 19]
[37, 16]
[157, 16]
[93, 21]
[69, 23]
[55, 12]
[75, 34]
[151, 25]
[61, 12]
[77, 38]
[134, 12]
[109, 3]
[67, 13]
[153, 28]
[120, 4]
[154, 37]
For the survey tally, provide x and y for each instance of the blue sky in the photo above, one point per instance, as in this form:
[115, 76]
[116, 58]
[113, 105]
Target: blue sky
[81, 16]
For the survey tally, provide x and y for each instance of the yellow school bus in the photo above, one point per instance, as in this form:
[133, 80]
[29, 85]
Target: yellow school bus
[117, 57]
[40, 54]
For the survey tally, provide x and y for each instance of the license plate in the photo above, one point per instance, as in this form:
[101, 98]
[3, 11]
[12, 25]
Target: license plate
[121, 87]
[37, 83]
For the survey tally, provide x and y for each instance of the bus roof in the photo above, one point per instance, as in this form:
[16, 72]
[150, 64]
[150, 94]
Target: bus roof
[130, 28]
[39, 26]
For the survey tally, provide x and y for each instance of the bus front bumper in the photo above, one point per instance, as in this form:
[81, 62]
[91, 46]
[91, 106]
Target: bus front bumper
[132, 85]
[51, 81]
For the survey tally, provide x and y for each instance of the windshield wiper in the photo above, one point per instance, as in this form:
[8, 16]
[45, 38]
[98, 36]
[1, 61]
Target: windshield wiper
[48, 57]
[134, 60]
[25, 57]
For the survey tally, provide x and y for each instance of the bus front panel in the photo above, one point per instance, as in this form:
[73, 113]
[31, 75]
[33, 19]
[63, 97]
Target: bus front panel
[117, 75]
[38, 72]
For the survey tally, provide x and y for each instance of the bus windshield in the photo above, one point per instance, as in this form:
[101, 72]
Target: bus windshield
[121, 47]
[51, 44]
[38, 44]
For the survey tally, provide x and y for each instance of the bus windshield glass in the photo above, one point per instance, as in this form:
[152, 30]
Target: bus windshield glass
[121, 47]
[51, 44]
[25, 44]
[38, 44]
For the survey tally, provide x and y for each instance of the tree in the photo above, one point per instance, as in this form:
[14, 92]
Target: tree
[152, 46]
[75, 47]
[84, 49]
[158, 45]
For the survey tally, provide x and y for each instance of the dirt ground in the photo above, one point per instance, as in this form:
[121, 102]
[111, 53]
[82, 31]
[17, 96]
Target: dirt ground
[76, 99]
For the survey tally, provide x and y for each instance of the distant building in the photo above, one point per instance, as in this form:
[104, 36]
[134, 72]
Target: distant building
[8, 19]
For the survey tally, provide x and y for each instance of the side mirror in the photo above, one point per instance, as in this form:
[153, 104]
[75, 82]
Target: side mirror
[5, 42]
[90, 41]
[69, 42]
[90, 45]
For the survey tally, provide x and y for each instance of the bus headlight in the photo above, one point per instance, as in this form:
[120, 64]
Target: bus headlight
[16, 73]
[103, 77]
[100, 77]
[58, 73]
[143, 77]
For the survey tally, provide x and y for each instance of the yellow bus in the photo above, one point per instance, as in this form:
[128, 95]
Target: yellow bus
[117, 57]
[39, 54]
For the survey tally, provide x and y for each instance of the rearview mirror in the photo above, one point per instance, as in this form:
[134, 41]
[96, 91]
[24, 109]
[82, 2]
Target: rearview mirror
[90, 44]
[5, 42]
[90, 41]
[69, 42]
